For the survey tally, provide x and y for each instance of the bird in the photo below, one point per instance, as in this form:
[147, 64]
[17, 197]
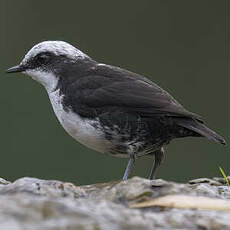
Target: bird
[110, 109]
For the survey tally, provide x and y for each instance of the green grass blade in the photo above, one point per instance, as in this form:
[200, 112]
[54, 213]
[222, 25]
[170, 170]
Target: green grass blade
[224, 175]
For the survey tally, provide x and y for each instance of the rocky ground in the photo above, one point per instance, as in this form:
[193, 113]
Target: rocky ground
[34, 204]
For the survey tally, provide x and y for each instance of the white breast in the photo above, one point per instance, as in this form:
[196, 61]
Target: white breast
[80, 129]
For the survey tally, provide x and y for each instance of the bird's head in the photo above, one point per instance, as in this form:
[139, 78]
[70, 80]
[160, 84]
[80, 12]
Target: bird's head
[45, 59]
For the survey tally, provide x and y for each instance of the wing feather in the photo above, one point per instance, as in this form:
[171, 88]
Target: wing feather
[110, 86]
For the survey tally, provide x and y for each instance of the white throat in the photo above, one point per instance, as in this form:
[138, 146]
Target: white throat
[47, 79]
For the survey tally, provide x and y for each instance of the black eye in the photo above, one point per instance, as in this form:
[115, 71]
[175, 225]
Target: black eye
[42, 58]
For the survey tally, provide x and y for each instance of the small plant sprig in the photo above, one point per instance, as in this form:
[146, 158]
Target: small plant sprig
[224, 175]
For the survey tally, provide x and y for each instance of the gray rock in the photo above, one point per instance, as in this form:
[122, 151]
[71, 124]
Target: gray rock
[30, 203]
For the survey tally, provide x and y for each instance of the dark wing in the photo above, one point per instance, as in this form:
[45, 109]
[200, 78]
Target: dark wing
[118, 88]
[109, 91]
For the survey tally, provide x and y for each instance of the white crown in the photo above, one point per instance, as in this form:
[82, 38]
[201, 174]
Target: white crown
[56, 47]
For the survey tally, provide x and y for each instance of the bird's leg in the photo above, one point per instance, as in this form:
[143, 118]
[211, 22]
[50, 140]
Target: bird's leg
[129, 166]
[159, 155]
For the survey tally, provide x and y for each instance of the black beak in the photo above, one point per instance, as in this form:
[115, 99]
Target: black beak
[15, 69]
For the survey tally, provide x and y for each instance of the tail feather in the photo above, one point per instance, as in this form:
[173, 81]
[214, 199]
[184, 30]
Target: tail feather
[201, 129]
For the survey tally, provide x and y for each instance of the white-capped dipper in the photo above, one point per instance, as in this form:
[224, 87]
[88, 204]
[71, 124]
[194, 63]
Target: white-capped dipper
[110, 109]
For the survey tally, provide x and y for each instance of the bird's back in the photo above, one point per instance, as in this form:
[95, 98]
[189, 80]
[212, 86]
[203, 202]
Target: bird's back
[131, 110]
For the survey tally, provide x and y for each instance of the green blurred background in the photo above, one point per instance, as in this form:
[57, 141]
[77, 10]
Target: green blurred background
[184, 46]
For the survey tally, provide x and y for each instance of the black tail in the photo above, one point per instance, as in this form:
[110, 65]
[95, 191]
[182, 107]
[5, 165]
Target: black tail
[200, 128]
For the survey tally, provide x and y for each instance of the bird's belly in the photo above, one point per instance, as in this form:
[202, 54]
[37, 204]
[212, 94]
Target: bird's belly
[111, 138]
[82, 130]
